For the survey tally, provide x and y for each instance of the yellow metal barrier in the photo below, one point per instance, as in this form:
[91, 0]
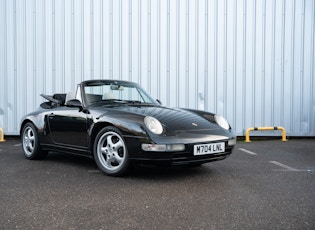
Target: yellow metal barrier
[284, 137]
[2, 135]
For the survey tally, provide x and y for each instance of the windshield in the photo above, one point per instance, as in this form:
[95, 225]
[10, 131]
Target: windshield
[113, 92]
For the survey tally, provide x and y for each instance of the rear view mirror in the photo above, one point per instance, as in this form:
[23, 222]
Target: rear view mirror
[116, 87]
[159, 101]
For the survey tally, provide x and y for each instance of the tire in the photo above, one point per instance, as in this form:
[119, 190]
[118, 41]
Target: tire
[110, 152]
[30, 143]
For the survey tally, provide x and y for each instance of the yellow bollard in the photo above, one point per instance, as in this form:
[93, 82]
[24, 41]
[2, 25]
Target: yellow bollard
[2, 135]
[284, 137]
[284, 134]
[247, 134]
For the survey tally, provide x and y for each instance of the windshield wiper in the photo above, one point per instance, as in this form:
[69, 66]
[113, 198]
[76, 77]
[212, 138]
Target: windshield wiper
[126, 101]
[102, 103]
[112, 102]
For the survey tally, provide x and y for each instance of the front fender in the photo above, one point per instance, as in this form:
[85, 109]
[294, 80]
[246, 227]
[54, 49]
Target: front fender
[129, 126]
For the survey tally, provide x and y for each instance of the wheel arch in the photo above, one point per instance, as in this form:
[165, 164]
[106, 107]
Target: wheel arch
[128, 128]
[95, 130]
[25, 121]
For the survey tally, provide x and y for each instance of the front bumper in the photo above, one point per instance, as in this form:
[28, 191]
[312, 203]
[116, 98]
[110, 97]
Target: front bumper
[187, 156]
[182, 157]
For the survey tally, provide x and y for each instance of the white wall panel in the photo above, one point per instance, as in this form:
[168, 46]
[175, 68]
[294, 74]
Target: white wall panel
[250, 60]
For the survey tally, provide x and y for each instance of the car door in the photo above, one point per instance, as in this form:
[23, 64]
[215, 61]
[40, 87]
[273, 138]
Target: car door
[68, 127]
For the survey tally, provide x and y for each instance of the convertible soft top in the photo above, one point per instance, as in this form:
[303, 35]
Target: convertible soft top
[54, 101]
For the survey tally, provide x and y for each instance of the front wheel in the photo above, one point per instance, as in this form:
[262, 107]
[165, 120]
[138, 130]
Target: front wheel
[110, 152]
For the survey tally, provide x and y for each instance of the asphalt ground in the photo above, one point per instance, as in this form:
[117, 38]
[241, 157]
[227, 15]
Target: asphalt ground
[262, 185]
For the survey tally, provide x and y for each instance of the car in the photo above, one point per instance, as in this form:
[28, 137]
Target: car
[118, 124]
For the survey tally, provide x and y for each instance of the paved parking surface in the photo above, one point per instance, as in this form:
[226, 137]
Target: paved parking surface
[262, 185]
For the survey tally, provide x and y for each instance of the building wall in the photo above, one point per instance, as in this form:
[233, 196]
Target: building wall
[249, 60]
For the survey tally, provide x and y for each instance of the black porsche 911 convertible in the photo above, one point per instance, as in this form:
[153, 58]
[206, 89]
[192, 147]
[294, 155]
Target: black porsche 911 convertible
[118, 123]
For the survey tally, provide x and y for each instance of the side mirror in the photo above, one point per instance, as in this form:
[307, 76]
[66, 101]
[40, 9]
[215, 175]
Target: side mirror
[74, 103]
[159, 101]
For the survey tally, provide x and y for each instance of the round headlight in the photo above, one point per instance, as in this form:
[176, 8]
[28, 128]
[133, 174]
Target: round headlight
[153, 125]
[222, 121]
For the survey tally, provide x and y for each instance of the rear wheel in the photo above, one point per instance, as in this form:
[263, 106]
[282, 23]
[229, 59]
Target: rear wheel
[30, 143]
[110, 152]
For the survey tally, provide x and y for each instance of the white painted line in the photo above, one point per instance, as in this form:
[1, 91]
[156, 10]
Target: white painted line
[0, 150]
[283, 166]
[247, 151]
[18, 145]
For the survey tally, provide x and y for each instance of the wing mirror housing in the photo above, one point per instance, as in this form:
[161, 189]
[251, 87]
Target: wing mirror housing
[74, 103]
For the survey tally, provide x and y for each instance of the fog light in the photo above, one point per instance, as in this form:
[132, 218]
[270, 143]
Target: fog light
[153, 147]
[176, 147]
[163, 148]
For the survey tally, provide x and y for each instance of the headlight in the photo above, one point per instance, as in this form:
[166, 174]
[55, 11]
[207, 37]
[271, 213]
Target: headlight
[222, 121]
[153, 125]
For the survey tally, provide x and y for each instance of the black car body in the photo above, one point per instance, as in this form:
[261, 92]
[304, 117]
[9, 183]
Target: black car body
[117, 122]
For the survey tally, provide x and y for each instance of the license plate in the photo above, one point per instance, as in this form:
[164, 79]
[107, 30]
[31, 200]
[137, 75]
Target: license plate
[204, 149]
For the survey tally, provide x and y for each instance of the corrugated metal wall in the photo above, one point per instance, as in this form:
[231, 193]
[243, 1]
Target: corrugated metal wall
[249, 60]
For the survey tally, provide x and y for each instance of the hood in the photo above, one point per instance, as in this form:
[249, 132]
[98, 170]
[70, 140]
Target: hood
[171, 118]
